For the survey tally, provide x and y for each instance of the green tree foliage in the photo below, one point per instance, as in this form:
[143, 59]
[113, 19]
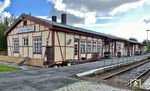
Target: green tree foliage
[133, 39]
[144, 42]
[147, 44]
[5, 22]
[3, 41]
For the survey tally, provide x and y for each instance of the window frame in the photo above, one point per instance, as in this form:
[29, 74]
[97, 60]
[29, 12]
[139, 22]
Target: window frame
[16, 45]
[94, 46]
[37, 43]
[25, 23]
[99, 46]
[89, 46]
[83, 46]
[118, 47]
[25, 41]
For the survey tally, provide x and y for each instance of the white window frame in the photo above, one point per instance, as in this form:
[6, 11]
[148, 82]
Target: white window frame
[25, 41]
[37, 45]
[94, 46]
[118, 47]
[89, 46]
[83, 46]
[99, 46]
[16, 45]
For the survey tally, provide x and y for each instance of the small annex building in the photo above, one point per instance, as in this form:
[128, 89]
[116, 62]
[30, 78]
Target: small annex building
[48, 42]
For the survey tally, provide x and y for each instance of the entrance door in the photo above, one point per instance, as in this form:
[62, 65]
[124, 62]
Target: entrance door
[76, 47]
[49, 55]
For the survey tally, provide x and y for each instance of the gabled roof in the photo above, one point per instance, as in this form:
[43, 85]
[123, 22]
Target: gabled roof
[21, 18]
[49, 24]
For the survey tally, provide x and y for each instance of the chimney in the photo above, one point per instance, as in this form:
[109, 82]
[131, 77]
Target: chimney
[54, 18]
[63, 18]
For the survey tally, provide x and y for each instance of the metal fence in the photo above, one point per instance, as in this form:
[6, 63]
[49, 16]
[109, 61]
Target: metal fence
[117, 60]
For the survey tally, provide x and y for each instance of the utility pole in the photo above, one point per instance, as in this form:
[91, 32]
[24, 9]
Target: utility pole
[147, 39]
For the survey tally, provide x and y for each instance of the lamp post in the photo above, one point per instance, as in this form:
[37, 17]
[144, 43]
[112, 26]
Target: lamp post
[147, 40]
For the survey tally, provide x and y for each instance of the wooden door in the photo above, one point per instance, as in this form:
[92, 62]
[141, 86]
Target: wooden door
[49, 55]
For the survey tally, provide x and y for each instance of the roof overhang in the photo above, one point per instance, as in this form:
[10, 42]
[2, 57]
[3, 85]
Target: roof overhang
[21, 18]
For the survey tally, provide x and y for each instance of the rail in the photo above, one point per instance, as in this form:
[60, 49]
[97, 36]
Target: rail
[138, 76]
[112, 75]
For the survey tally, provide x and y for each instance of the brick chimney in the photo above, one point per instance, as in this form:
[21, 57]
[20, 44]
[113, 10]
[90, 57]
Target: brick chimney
[54, 18]
[63, 18]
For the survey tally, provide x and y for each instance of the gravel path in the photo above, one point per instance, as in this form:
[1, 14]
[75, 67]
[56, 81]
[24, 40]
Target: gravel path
[89, 86]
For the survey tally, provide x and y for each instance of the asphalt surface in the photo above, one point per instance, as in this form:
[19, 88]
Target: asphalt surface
[48, 79]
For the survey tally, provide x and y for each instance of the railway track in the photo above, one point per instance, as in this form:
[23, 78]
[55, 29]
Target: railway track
[124, 70]
[126, 77]
[139, 76]
[121, 77]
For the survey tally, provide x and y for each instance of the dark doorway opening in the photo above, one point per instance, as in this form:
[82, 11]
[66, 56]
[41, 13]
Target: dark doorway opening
[49, 55]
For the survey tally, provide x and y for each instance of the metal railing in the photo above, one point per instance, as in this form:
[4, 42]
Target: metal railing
[117, 60]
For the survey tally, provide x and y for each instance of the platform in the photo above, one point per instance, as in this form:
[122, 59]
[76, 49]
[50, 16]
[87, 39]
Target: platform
[146, 85]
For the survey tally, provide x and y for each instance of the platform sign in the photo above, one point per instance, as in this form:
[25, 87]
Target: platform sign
[24, 29]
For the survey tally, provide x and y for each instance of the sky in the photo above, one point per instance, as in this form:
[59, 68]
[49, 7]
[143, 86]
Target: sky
[123, 18]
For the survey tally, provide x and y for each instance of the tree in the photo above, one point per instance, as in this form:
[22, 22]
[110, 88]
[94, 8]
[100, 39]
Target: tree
[147, 44]
[4, 24]
[133, 39]
[3, 41]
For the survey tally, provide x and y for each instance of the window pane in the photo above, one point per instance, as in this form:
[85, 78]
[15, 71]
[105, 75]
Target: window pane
[83, 46]
[16, 45]
[37, 45]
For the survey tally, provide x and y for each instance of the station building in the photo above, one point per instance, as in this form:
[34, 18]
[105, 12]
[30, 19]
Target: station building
[49, 42]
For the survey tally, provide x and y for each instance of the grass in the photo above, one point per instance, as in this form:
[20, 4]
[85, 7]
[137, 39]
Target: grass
[8, 68]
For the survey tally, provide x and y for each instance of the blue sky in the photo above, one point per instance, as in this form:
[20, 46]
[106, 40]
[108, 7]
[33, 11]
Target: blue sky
[123, 18]
[36, 7]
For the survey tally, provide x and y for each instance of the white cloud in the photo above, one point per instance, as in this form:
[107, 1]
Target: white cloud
[125, 26]
[98, 26]
[146, 19]
[44, 17]
[135, 29]
[132, 29]
[4, 5]
[6, 14]
[128, 6]
[90, 17]
[107, 17]
[59, 5]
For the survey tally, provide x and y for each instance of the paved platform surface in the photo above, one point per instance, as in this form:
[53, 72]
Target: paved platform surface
[49, 79]
[146, 84]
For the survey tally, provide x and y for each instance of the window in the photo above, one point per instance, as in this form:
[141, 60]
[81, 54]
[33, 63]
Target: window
[25, 41]
[16, 45]
[89, 46]
[119, 47]
[94, 46]
[37, 45]
[99, 47]
[24, 22]
[83, 46]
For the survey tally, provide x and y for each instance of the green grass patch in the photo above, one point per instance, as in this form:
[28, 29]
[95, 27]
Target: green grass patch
[8, 68]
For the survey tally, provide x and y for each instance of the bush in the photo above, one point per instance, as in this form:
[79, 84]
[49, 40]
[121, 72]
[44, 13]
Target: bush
[148, 57]
[137, 53]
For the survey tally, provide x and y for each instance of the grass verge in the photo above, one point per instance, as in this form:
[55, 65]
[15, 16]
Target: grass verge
[8, 68]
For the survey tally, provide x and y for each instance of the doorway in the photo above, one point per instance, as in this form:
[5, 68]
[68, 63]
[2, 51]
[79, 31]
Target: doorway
[49, 55]
[76, 48]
